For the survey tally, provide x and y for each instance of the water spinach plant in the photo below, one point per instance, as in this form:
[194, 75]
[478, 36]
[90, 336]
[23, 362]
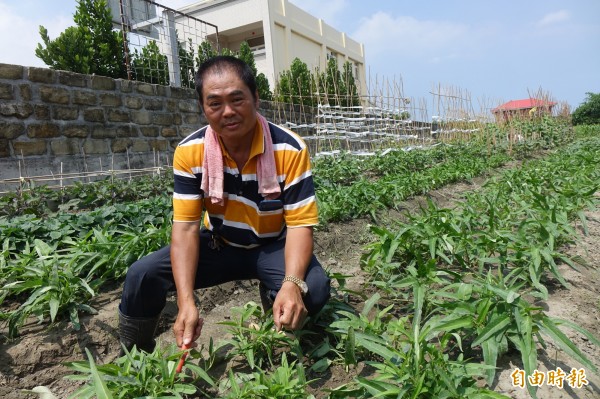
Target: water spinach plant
[451, 290]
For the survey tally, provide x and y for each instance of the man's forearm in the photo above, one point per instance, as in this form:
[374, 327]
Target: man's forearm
[298, 251]
[185, 250]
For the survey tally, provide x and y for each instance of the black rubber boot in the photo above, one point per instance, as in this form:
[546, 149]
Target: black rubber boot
[137, 331]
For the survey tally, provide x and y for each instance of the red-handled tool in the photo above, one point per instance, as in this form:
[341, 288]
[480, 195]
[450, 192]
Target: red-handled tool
[182, 360]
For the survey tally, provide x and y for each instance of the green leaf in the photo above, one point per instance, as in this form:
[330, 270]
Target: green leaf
[529, 361]
[87, 287]
[550, 329]
[577, 328]
[490, 357]
[321, 365]
[350, 354]
[370, 303]
[512, 295]
[74, 316]
[250, 358]
[375, 345]
[432, 244]
[54, 304]
[188, 389]
[100, 387]
[42, 248]
[496, 327]
[451, 323]
[379, 388]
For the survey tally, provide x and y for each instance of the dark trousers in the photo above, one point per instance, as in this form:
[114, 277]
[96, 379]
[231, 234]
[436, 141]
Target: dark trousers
[150, 279]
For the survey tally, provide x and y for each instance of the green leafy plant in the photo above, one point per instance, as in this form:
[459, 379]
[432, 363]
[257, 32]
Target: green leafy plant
[59, 263]
[54, 286]
[350, 327]
[417, 357]
[138, 374]
[254, 336]
[287, 381]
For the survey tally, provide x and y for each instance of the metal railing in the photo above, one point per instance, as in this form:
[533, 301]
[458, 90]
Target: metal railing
[160, 43]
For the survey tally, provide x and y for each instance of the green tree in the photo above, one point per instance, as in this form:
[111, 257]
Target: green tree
[226, 51]
[150, 65]
[205, 51]
[588, 113]
[186, 63]
[90, 47]
[333, 82]
[262, 83]
[349, 88]
[264, 89]
[334, 87]
[295, 85]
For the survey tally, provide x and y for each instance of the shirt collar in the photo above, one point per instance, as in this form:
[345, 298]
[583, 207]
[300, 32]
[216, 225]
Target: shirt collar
[257, 146]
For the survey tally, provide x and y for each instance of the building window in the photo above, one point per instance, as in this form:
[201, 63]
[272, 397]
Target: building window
[256, 43]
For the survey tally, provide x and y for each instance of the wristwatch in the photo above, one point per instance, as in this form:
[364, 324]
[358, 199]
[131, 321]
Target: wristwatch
[300, 283]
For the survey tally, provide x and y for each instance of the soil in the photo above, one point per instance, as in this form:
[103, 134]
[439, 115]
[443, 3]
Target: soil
[38, 357]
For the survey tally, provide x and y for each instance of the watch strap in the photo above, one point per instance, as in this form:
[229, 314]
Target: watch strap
[300, 283]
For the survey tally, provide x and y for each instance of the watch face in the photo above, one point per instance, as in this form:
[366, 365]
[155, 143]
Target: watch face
[304, 287]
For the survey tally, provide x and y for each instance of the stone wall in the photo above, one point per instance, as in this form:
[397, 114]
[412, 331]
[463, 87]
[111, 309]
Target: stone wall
[50, 117]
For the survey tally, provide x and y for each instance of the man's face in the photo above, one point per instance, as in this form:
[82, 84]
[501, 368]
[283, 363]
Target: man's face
[229, 106]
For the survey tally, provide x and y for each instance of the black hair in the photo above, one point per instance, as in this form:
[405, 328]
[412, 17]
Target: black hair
[224, 62]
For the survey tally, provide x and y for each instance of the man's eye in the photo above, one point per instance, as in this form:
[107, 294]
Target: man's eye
[214, 104]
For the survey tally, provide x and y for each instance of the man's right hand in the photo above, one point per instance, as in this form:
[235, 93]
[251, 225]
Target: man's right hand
[185, 246]
[188, 326]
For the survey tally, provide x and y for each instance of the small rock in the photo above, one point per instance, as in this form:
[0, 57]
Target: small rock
[42, 392]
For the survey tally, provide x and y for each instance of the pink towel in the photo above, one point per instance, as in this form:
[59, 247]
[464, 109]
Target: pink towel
[212, 175]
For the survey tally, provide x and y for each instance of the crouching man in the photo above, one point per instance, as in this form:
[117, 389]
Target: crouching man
[254, 181]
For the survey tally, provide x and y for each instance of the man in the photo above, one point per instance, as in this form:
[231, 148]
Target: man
[254, 181]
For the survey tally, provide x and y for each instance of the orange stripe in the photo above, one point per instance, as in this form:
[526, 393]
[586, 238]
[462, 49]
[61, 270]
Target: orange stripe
[297, 163]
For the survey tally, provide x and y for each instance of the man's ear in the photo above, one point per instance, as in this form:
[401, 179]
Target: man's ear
[256, 99]
[200, 105]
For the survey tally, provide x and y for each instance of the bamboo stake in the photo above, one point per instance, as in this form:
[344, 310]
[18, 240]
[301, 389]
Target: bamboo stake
[85, 163]
[24, 165]
[128, 164]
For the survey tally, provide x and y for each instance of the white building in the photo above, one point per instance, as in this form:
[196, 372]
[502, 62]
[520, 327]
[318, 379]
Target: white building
[278, 32]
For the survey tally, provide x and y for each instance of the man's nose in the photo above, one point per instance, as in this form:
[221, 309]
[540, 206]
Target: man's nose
[228, 109]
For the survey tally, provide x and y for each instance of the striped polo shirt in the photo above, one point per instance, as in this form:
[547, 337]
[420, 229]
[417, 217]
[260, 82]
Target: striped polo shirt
[239, 222]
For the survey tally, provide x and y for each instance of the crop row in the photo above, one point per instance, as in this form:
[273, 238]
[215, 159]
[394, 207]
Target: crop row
[472, 275]
[57, 264]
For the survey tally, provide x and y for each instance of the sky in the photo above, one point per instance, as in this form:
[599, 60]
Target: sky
[490, 51]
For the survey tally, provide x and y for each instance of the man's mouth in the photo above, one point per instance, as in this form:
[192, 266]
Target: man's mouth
[230, 125]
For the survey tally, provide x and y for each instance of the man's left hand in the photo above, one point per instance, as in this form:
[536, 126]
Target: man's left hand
[289, 311]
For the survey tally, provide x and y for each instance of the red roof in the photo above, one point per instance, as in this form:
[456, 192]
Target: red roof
[527, 103]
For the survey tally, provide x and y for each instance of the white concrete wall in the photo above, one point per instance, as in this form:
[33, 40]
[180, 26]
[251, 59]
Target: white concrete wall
[227, 14]
[289, 32]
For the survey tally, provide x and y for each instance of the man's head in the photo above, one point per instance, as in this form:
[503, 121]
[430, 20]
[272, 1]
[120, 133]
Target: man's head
[229, 99]
[225, 62]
